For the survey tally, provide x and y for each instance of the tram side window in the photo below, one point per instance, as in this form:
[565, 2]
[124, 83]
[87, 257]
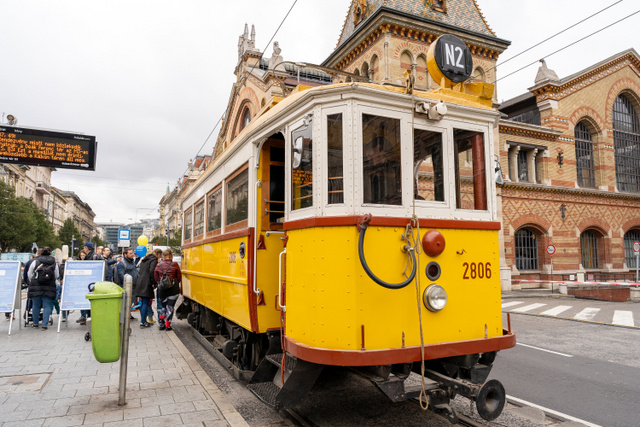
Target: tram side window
[302, 167]
[188, 224]
[214, 213]
[428, 182]
[334, 146]
[381, 160]
[199, 219]
[471, 191]
[238, 198]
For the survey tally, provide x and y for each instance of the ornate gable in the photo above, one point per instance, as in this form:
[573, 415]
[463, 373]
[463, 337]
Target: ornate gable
[460, 13]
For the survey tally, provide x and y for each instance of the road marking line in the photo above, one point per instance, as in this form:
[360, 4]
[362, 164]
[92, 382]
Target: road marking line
[528, 307]
[556, 310]
[622, 317]
[551, 411]
[511, 304]
[587, 314]
[544, 349]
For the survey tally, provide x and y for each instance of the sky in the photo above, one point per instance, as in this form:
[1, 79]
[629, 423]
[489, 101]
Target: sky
[151, 78]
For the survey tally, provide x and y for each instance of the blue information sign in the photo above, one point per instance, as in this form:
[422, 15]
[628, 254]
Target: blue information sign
[9, 275]
[77, 277]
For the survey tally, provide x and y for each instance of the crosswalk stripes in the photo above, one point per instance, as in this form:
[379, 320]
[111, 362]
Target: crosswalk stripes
[620, 317]
[623, 317]
[528, 308]
[511, 304]
[587, 314]
[556, 310]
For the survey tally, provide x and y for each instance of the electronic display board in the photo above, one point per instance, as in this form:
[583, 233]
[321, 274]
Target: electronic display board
[36, 147]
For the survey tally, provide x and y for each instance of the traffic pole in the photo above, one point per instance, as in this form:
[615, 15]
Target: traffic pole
[551, 256]
[637, 261]
[126, 331]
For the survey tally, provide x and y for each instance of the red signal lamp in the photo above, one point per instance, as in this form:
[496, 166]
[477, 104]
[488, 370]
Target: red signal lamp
[433, 243]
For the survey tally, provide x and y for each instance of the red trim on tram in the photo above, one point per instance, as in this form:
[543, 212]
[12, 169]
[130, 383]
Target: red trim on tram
[325, 356]
[253, 303]
[333, 221]
[220, 237]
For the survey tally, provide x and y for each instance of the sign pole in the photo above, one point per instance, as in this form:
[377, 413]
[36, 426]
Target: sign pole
[636, 249]
[551, 273]
[126, 331]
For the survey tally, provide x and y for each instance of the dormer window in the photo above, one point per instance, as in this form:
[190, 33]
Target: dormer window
[439, 5]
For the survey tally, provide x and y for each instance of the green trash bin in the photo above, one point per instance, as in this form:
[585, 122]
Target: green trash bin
[106, 331]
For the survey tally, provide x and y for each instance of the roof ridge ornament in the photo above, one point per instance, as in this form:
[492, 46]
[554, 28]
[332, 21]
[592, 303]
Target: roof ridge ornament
[544, 73]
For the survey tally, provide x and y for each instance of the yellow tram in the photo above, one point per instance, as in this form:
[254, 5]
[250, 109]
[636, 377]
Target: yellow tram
[354, 224]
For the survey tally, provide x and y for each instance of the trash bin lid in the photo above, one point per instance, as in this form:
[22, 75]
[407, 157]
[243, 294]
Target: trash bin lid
[107, 288]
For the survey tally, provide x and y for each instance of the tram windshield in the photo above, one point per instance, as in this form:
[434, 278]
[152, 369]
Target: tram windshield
[428, 173]
[382, 170]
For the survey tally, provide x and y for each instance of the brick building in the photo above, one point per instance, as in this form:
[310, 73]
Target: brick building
[570, 156]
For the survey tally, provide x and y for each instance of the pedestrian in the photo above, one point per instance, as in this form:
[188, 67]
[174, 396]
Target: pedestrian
[61, 267]
[99, 250]
[127, 266]
[145, 286]
[167, 269]
[42, 275]
[89, 255]
[110, 267]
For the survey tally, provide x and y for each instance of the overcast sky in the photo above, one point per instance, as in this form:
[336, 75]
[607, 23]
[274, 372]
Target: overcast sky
[150, 79]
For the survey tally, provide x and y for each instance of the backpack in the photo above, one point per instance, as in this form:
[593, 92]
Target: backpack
[45, 274]
[166, 282]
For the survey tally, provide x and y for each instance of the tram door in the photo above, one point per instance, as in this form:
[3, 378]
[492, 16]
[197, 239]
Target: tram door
[273, 184]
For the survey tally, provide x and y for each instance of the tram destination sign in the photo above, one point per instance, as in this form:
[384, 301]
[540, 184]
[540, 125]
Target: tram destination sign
[36, 147]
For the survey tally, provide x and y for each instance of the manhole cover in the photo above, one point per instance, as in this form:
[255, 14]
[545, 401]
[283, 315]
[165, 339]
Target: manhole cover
[30, 382]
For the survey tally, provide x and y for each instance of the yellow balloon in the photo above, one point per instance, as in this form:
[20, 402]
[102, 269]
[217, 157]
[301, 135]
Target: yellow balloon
[143, 240]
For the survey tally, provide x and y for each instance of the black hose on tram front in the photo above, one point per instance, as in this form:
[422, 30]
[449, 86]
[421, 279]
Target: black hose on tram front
[363, 261]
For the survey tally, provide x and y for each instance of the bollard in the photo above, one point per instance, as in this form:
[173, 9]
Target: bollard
[126, 331]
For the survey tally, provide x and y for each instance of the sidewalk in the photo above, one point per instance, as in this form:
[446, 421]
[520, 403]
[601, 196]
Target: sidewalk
[52, 379]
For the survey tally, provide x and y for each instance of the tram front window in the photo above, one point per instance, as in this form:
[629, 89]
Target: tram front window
[381, 160]
[428, 173]
[471, 188]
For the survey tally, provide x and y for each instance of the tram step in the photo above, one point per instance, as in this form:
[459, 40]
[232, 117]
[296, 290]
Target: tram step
[276, 359]
[267, 392]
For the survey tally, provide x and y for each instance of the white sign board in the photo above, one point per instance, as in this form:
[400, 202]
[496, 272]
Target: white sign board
[77, 277]
[9, 282]
[124, 234]
[636, 246]
[124, 243]
[551, 249]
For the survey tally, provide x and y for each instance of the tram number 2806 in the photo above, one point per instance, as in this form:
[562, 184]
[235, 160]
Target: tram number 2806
[480, 270]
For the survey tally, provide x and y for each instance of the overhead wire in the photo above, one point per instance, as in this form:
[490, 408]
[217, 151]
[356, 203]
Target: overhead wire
[569, 45]
[551, 37]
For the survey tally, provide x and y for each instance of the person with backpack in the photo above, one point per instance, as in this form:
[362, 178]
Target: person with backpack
[145, 286]
[168, 276]
[42, 276]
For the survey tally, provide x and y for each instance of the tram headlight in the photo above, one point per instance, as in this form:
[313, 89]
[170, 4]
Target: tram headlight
[435, 298]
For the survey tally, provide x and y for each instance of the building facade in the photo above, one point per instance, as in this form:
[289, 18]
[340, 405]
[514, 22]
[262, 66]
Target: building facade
[570, 155]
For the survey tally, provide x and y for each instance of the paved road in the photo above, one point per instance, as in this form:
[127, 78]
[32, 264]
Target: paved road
[586, 370]
[615, 313]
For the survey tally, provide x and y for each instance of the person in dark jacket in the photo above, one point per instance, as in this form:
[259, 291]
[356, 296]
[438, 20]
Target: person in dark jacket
[145, 285]
[111, 264]
[168, 296]
[89, 255]
[41, 293]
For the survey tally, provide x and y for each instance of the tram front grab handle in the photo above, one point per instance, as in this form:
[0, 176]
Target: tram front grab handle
[363, 229]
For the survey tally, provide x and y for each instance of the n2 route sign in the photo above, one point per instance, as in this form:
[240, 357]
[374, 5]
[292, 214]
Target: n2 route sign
[551, 249]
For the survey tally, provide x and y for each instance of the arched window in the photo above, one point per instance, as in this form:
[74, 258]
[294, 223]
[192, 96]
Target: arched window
[246, 118]
[365, 70]
[374, 67]
[589, 249]
[526, 245]
[406, 59]
[479, 75]
[584, 156]
[626, 140]
[629, 255]
[422, 74]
